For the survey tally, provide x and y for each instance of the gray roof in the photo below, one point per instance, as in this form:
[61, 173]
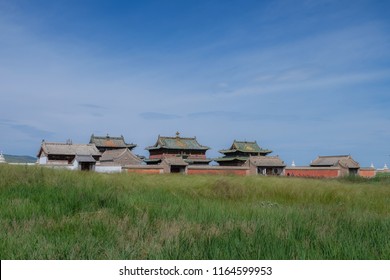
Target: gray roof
[84, 158]
[343, 161]
[225, 159]
[198, 160]
[114, 155]
[50, 148]
[267, 161]
[175, 161]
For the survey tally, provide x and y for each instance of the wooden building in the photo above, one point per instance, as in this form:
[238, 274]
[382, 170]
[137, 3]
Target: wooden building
[187, 151]
[328, 167]
[68, 155]
[120, 157]
[347, 165]
[83, 162]
[239, 153]
[106, 143]
[174, 165]
[265, 165]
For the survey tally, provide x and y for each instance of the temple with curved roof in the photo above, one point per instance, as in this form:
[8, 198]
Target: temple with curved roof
[239, 152]
[106, 143]
[187, 148]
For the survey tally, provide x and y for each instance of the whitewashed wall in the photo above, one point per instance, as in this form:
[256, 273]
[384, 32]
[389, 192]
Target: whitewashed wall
[108, 169]
[43, 160]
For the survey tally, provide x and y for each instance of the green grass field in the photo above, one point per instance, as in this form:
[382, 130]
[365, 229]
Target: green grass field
[58, 214]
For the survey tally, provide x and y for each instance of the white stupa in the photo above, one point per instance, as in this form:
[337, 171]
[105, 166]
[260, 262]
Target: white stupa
[385, 167]
[372, 165]
[293, 163]
[2, 159]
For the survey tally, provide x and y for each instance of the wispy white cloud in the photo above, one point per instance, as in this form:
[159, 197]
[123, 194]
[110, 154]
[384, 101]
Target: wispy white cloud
[287, 83]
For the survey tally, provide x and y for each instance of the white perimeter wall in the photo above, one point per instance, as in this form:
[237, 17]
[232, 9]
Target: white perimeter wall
[108, 169]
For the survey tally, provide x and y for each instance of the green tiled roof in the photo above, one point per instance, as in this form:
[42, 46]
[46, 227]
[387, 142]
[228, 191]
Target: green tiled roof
[231, 159]
[177, 143]
[246, 147]
[110, 142]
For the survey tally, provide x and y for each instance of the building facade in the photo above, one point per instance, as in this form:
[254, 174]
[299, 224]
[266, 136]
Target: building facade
[177, 152]
[240, 152]
[266, 165]
[68, 155]
[119, 157]
[347, 165]
[106, 143]
[327, 167]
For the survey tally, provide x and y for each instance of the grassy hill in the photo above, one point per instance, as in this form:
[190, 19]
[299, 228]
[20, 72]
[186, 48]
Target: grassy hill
[58, 214]
[19, 159]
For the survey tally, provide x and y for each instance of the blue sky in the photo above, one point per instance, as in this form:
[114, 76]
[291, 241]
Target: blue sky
[302, 78]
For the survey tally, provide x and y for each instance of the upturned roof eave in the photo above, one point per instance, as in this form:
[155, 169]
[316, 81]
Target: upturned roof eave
[131, 145]
[161, 143]
[231, 159]
[178, 148]
[243, 151]
[227, 151]
[94, 138]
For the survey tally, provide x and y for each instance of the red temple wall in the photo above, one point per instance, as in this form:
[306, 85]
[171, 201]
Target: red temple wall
[367, 173]
[312, 172]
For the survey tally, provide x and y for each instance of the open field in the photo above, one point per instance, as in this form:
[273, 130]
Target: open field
[53, 214]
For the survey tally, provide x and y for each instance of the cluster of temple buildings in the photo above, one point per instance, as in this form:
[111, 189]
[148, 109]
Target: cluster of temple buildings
[178, 154]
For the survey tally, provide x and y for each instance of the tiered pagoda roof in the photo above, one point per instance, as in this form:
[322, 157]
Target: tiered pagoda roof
[186, 148]
[240, 151]
[245, 147]
[177, 143]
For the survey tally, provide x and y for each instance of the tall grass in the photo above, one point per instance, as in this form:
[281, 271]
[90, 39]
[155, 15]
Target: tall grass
[58, 214]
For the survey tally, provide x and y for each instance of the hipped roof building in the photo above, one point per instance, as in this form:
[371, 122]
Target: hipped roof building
[188, 148]
[104, 143]
[239, 152]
